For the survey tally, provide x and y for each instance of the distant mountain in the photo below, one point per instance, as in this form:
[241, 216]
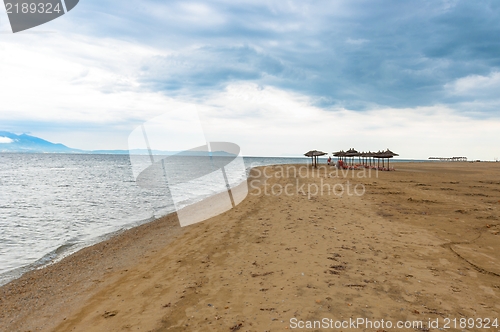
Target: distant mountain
[24, 143]
[10, 142]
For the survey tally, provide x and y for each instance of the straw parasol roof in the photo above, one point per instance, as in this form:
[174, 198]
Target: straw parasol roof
[352, 153]
[340, 153]
[385, 154]
[314, 154]
[388, 154]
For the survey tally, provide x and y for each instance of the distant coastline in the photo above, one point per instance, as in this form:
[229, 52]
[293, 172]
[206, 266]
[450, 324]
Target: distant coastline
[24, 143]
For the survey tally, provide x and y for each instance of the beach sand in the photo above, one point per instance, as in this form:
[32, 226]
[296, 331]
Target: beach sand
[421, 243]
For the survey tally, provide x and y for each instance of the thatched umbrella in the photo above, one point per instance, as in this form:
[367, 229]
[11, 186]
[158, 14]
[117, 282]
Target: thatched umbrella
[378, 155]
[340, 154]
[352, 153]
[314, 154]
[388, 154]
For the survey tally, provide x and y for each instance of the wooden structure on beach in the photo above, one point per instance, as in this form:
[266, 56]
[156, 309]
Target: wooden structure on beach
[449, 159]
[314, 154]
[366, 159]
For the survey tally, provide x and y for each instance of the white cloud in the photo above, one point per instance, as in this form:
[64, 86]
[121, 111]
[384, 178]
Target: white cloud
[6, 140]
[269, 121]
[59, 79]
[475, 85]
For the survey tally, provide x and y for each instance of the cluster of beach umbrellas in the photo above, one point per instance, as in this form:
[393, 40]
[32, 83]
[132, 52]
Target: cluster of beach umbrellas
[349, 156]
[365, 158]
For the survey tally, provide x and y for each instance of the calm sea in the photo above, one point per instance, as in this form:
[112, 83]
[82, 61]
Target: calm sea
[54, 204]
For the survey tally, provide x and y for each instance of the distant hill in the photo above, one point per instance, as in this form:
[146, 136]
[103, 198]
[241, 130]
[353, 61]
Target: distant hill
[10, 142]
[24, 143]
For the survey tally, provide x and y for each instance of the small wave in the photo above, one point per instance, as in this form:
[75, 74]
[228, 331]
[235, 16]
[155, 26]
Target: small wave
[49, 258]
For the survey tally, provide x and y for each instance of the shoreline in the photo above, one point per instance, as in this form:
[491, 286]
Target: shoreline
[92, 264]
[77, 291]
[68, 249]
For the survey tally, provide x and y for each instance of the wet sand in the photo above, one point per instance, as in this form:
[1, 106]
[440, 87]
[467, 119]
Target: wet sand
[421, 243]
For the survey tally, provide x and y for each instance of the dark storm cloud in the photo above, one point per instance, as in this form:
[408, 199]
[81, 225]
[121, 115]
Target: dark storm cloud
[355, 54]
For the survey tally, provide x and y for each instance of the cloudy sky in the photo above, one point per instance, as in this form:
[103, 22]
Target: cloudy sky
[275, 77]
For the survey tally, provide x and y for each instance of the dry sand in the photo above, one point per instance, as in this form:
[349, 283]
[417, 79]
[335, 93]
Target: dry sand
[421, 243]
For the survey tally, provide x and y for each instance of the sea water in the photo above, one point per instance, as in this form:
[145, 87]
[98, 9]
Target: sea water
[54, 204]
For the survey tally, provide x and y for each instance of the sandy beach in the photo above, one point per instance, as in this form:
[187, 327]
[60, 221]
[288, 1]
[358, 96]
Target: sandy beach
[416, 245]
